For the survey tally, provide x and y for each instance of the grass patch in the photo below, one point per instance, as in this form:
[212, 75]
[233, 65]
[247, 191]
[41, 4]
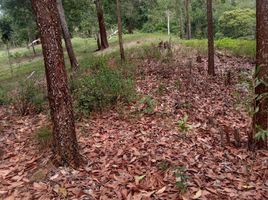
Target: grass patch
[44, 137]
[236, 47]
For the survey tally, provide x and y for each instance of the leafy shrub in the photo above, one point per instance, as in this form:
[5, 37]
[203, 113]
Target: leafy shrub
[29, 97]
[4, 99]
[103, 89]
[44, 136]
[238, 23]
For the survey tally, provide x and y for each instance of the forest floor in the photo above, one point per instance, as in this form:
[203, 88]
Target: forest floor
[146, 150]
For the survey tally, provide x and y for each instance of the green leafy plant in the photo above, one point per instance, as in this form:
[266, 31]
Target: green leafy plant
[181, 179]
[44, 136]
[261, 134]
[29, 97]
[4, 99]
[147, 105]
[183, 124]
[104, 89]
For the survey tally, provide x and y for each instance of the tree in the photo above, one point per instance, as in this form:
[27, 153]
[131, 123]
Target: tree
[188, 20]
[65, 146]
[102, 28]
[120, 32]
[258, 137]
[6, 34]
[211, 63]
[67, 36]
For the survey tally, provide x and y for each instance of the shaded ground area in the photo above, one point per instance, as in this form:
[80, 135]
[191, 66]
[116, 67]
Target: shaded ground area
[140, 151]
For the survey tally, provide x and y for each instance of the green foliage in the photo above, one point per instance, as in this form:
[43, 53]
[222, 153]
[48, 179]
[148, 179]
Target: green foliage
[238, 23]
[183, 124]
[261, 134]
[29, 98]
[146, 104]
[181, 179]
[4, 99]
[237, 47]
[44, 136]
[105, 88]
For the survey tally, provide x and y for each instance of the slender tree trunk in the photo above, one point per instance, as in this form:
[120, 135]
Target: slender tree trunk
[188, 20]
[180, 24]
[211, 63]
[30, 42]
[9, 61]
[120, 32]
[260, 118]
[103, 33]
[98, 41]
[168, 22]
[65, 147]
[67, 36]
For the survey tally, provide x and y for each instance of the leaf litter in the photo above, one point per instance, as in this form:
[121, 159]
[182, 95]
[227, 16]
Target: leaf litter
[135, 156]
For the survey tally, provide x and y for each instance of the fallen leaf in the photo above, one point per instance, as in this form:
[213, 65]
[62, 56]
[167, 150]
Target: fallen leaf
[198, 194]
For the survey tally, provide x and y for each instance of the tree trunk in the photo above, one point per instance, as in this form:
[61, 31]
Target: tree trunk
[168, 21]
[9, 61]
[211, 63]
[65, 147]
[120, 32]
[260, 118]
[67, 36]
[98, 41]
[180, 24]
[103, 33]
[188, 21]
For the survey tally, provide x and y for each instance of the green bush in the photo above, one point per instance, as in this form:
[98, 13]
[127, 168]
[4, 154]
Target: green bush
[29, 97]
[238, 23]
[103, 89]
[44, 136]
[4, 99]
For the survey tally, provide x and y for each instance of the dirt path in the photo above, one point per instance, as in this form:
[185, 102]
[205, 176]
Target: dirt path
[133, 155]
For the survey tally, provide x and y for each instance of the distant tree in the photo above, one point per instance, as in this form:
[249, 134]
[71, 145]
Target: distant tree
[65, 145]
[211, 63]
[188, 20]
[67, 36]
[258, 138]
[6, 35]
[120, 31]
[238, 23]
[102, 27]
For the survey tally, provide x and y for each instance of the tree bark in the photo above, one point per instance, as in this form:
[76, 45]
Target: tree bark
[180, 24]
[120, 32]
[260, 118]
[103, 33]
[211, 51]
[67, 36]
[188, 20]
[65, 146]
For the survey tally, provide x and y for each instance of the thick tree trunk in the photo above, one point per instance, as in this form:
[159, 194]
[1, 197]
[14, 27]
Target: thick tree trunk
[211, 63]
[67, 36]
[188, 20]
[65, 145]
[103, 33]
[120, 32]
[260, 118]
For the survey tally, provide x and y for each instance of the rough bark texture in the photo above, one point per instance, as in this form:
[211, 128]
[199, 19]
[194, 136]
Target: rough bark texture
[67, 36]
[120, 32]
[260, 118]
[103, 33]
[211, 63]
[65, 147]
[188, 20]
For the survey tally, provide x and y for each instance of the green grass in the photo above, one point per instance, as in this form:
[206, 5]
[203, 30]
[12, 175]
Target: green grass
[234, 47]
[23, 65]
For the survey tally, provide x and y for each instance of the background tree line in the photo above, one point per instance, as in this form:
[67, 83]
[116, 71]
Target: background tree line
[232, 18]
